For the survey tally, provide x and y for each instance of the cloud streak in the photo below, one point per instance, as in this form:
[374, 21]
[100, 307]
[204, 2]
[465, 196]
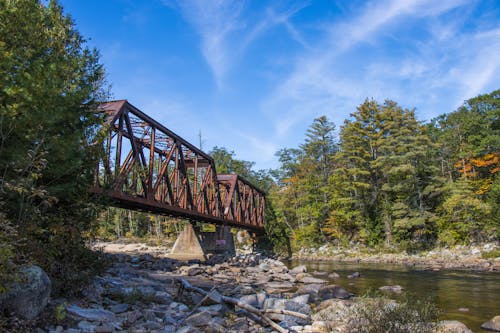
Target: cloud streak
[226, 32]
[352, 62]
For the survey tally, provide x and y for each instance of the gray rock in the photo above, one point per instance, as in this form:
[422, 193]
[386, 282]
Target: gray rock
[239, 325]
[91, 314]
[72, 330]
[86, 326]
[285, 304]
[167, 329]
[199, 319]
[131, 317]
[188, 329]
[302, 299]
[152, 326]
[255, 300]
[214, 310]
[310, 279]
[395, 288]
[354, 275]
[333, 276]
[29, 297]
[299, 269]
[119, 308]
[328, 292]
[214, 327]
[195, 271]
[310, 289]
[105, 328]
[453, 326]
[492, 325]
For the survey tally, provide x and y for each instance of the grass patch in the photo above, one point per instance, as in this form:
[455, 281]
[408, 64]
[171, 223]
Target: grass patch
[490, 254]
[379, 314]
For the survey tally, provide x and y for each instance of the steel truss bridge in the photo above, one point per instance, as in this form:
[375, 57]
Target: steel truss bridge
[149, 168]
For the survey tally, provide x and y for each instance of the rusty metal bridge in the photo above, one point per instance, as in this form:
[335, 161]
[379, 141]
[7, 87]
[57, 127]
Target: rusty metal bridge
[147, 167]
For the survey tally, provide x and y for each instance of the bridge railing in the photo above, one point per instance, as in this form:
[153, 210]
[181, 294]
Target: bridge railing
[148, 167]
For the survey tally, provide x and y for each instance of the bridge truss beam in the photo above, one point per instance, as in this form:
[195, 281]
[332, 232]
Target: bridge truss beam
[148, 167]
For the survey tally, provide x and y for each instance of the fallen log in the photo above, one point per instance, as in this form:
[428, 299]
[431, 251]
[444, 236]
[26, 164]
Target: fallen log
[261, 314]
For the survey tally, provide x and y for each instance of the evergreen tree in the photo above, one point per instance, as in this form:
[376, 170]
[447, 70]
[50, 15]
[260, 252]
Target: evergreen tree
[383, 175]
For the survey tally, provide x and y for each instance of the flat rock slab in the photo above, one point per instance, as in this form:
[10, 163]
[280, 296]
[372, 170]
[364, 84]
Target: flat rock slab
[91, 314]
[310, 279]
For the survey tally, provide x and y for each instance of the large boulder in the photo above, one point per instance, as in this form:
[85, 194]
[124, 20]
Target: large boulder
[28, 297]
[286, 304]
[452, 326]
[333, 291]
[299, 269]
[492, 325]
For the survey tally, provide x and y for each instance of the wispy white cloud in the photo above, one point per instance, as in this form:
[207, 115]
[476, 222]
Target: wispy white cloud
[226, 32]
[352, 62]
[214, 21]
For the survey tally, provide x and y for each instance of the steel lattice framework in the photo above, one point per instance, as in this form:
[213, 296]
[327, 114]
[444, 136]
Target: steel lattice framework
[148, 167]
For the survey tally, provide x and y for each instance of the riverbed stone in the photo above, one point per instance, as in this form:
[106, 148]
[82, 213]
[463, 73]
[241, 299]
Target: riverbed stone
[100, 315]
[86, 326]
[119, 308]
[452, 326]
[354, 275]
[395, 289]
[285, 304]
[199, 319]
[492, 325]
[333, 291]
[30, 296]
[299, 269]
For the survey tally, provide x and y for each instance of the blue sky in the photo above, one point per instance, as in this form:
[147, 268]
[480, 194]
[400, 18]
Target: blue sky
[252, 75]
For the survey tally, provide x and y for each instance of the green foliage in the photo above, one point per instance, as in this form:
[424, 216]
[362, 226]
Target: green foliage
[60, 312]
[134, 296]
[392, 180]
[50, 84]
[7, 254]
[381, 315]
[465, 217]
[490, 254]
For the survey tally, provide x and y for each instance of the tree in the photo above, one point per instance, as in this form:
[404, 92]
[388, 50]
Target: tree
[50, 83]
[383, 175]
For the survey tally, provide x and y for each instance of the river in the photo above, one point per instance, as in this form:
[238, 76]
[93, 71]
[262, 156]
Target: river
[449, 290]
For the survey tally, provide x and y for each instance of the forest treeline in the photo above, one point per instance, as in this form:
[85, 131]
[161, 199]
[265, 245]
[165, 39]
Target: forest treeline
[392, 180]
[383, 178]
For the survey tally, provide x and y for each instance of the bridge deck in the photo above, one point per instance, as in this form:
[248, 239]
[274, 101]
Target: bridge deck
[148, 167]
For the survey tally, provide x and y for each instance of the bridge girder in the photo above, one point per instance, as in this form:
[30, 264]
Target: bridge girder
[147, 167]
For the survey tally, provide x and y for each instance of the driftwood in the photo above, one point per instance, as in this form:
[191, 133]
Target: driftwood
[261, 314]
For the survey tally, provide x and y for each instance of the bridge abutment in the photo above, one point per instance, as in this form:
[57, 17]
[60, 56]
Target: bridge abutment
[194, 244]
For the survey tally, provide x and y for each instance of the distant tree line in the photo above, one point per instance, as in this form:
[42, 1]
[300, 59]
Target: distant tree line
[384, 179]
[392, 180]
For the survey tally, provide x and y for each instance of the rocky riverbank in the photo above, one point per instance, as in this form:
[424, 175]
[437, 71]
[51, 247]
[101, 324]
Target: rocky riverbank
[479, 258]
[247, 293]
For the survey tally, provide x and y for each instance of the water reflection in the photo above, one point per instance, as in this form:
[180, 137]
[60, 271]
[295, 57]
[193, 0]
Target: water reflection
[449, 290]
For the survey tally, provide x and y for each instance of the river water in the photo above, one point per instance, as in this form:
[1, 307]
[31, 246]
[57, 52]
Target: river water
[449, 290]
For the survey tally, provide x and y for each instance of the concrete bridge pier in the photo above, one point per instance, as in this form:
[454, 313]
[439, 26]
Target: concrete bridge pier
[194, 244]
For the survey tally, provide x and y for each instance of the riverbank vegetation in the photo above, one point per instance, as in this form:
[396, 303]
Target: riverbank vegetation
[390, 180]
[49, 83]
